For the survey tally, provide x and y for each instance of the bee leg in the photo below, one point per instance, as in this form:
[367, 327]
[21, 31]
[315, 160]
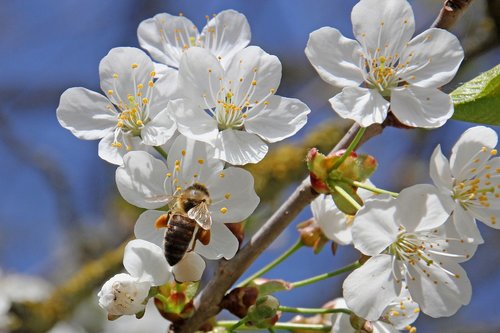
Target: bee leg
[203, 236]
[162, 221]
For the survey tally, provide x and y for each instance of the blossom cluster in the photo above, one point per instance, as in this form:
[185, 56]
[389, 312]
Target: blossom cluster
[181, 122]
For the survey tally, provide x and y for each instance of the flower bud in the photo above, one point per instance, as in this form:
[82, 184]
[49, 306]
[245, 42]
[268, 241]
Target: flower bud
[239, 300]
[311, 235]
[264, 313]
[123, 295]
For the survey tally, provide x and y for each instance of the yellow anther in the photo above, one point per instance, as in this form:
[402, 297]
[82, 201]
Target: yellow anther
[227, 195]
[244, 115]
[223, 210]
[177, 162]
[221, 175]
[151, 84]
[195, 175]
[382, 60]
[129, 148]
[487, 167]
[145, 100]
[140, 86]
[254, 82]
[272, 90]
[134, 66]
[484, 149]
[497, 170]
[116, 144]
[476, 160]
[139, 122]
[110, 92]
[493, 152]
[183, 152]
[115, 76]
[120, 124]
[487, 176]
[201, 161]
[178, 188]
[152, 74]
[177, 168]
[169, 174]
[266, 103]
[473, 170]
[130, 98]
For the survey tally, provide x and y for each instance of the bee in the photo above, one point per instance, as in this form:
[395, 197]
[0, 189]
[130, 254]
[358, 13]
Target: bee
[187, 221]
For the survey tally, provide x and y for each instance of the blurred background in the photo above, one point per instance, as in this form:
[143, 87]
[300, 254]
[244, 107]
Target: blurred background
[61, 210]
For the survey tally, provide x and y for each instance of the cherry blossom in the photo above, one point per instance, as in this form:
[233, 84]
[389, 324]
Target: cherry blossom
[470, 182]
[410, 245]
[235, 109]
[131, 115]
[395, 70]
[127, 293]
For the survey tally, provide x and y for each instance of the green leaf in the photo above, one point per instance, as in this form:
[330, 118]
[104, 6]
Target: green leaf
[478, 100]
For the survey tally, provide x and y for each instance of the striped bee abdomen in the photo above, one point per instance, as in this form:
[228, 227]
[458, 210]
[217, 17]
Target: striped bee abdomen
[178, 235]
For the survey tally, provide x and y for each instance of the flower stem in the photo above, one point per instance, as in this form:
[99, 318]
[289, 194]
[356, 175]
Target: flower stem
[350, 148]
[280, 326]
[237, 324]
[368, 187]
[274, 263]
[346, 196]
[312, 310]
[325, 276]
[162, 152]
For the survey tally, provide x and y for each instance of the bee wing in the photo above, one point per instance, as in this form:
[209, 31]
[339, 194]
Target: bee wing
[201, 215]
[167, 199]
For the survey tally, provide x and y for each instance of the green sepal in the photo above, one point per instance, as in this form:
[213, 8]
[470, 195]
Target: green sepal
[478, 101]
[269, 286]
[358, 168]
[340, 201]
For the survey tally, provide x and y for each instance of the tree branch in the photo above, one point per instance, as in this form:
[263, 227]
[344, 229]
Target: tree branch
[450, 13]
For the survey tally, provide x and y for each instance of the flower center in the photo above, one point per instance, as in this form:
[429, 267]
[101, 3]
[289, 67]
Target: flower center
[382, 71]
[479, 185]
[134, 110]
[234, 99]
[124, 295]
[410, 248]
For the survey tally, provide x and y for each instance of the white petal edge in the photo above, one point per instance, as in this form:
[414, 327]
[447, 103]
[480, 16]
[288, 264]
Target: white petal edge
[146, 261]
[145, 227]
[223, 243]
[239, 147]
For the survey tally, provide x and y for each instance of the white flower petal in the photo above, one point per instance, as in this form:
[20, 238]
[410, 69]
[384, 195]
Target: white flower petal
[260, 71]
[233, 195]
[239, 147]
[402, 311]
[467, 148]
[193, 122]
[378, 212]
[87, 114]
[419, 207]
[466, 225]
[140, 180]
[439, 294]
[387, 25]
[159, 130]
[434, 57]
[370, 288]
[421, 107]
[335, 58]
[118, 75]
[226, 34]
[223, 243]
[278, 120]
[146, 261]
[440, 171]
[145, 227]
[114, 155]
[190, 268]
[165, 89]
[199, 77]
[460, 248]
[196, 161]
[487, 215]
[333, 223]
[364, 106]
[165, 36]
[123, 294]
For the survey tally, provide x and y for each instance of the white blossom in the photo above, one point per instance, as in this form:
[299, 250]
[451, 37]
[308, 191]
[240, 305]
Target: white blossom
[394, 69]
[166, 37]
[148, 183]
[235, 109]
[127, 293]
[131, 115]
[408, 242]
[470, 181]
